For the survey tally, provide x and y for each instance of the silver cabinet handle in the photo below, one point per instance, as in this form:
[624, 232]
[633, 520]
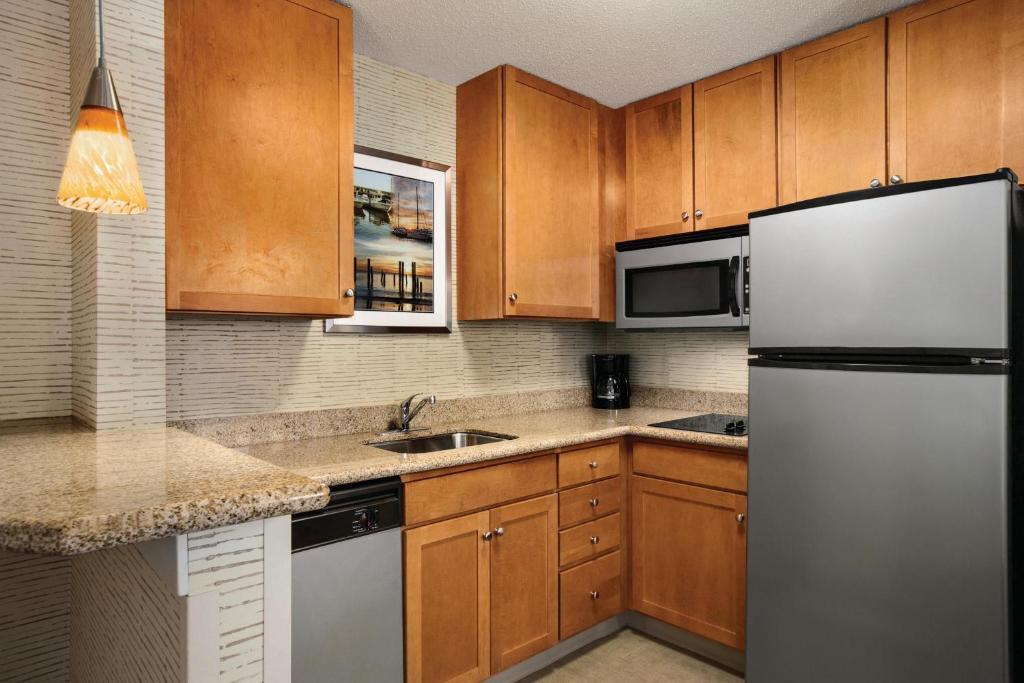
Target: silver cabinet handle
[895, 179]
[594, 540]
[593, 464]
[513, 297]
[698, 213]
[686, 216]
[500, 531]
[740, 517]
[594, 502]
[350, 292]
[488, 535]
[594, 595]
[875, 182]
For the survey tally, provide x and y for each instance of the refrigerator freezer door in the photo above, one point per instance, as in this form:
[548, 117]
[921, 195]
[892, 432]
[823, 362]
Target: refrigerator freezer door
[908, 271]
[877, 533]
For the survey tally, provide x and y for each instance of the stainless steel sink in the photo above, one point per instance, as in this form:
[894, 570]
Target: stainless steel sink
[440, 442]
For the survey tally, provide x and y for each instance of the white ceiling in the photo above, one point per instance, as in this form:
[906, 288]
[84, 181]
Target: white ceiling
[612, 50]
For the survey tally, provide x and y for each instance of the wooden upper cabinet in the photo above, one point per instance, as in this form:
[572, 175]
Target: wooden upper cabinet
[659, 164]
[832, 114]
[524, 580]
[447, 601]
[528, 199]
[956, 88]
[259, 156]
[734, 143]
[689, 557]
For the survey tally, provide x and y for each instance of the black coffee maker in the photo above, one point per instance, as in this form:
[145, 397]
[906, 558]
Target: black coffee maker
[609, 380]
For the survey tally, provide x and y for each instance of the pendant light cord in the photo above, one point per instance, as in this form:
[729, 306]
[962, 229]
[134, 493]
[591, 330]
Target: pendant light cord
[101, 60]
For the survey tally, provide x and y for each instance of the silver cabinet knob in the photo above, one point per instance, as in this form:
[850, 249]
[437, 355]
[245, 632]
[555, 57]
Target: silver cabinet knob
[594, 502]
[698, 213]
[875, 182]
[513, 297]
[895, 180]
[740, 517]
[500, 531]
[594, 540]
[686, 216]
[594, 595]
[488, 535]
[350, 292]
[593, 464]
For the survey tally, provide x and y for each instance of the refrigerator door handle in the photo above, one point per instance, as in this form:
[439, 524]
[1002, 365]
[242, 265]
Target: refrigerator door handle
[734, 272]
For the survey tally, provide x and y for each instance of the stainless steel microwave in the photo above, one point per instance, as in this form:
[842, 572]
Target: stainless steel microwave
[693, 280]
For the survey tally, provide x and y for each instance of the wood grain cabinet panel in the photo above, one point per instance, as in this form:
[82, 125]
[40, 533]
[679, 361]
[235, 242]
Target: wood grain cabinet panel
[588, 502]
[734, 145]
[716, 469]
[524, 580]
[589, 539]
[832, 114]
[447, 601]
[259, 157]
[659, 164]
[689, 557]
[956, 88]
[585, 465]
[530, 237]
[590, 593]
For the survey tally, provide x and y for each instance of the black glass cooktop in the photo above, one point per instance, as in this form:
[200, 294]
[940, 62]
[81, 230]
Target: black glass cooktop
[715, 423]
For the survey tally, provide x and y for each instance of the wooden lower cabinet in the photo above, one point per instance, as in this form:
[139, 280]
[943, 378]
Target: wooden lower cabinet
[591, 593]
[524, 580]
[689, 557]
[481, 591]
[447, 601]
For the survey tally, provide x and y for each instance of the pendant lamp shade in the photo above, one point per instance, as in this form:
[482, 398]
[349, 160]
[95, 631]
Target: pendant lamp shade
[100, 174]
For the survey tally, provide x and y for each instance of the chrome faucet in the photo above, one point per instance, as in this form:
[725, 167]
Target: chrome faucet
[406, 412]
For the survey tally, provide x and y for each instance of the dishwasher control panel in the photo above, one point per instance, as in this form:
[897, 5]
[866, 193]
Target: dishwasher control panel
[353, 511]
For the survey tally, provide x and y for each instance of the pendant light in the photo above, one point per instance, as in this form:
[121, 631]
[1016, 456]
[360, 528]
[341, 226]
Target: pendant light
[100, 174]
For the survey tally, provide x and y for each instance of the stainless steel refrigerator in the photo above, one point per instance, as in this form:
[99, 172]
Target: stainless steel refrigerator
[886, 328]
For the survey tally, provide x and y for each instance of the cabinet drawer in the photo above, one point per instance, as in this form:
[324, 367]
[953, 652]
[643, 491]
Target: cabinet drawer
[453, 494]
[587, 502]
[588, 464]
[717, 469]
[590, 593]
[590, 539]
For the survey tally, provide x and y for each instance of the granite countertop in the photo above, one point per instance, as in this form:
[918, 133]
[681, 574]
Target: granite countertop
[347, 458]
[67, 490]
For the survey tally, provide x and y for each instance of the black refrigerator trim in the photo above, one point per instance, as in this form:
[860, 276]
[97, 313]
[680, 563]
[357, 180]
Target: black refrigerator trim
[1015, 463]
[872, 365]
[683, 238]
[888, 191]
[867, 352]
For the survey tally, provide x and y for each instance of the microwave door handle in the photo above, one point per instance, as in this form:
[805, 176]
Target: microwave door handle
[734, 272]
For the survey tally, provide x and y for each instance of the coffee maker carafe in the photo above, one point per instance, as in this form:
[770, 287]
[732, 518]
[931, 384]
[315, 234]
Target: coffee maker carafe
[609, 380]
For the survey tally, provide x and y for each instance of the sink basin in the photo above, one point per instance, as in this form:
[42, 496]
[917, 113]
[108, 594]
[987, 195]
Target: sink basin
[440, 442]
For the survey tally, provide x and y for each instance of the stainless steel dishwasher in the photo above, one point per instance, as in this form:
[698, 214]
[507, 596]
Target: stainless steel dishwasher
[347, 587]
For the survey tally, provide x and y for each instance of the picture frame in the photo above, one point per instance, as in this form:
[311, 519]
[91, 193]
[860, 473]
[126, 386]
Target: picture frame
[402, 255]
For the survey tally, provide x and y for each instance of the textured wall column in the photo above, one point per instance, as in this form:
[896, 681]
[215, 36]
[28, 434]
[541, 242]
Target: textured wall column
[118, 371]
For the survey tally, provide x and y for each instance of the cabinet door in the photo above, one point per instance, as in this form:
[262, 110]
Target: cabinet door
[832, 113]
[689, 557]
[956, 88]
[734, 144]
[524, 580]
[659, 164]
[447, 601]
[551, 200]
[259, 156]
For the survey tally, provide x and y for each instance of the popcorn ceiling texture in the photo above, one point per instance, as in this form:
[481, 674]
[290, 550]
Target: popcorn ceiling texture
[612, 51]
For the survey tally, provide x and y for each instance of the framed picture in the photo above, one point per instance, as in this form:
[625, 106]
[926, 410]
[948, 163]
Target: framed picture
[401, 209]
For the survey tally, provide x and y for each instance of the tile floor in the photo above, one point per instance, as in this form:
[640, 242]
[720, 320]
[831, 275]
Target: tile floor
[631, 657]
